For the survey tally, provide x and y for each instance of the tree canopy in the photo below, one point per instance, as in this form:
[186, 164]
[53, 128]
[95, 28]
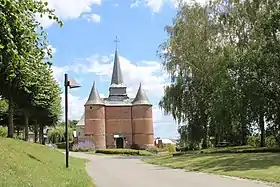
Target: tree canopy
[26, 77]
[224, 61]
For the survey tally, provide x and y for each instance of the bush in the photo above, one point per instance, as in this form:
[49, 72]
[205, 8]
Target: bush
[254, 141]
[179, 154]
[118, 151]
[270, 141]
[171, 148]
[83, 146]
[153, 150]
[182, 149]
[62, 145]
[3, 131]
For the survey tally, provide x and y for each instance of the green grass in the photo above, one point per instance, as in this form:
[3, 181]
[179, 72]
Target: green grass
[258, 166]
[25, 164]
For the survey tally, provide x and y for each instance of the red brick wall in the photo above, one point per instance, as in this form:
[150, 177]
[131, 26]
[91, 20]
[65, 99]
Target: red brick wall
[95, 124]
[143, 125]
[118, 120]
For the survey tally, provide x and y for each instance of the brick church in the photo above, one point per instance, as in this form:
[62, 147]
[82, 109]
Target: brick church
[118, 121]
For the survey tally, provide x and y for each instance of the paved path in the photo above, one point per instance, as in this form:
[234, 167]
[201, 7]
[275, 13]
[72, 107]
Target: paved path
[117, 171]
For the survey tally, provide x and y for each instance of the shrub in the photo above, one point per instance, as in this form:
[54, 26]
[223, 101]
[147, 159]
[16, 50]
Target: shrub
[62, 145]
[83, 146]
[118, 151]
[171, 148]
[3, 131]
[153, 150]
[182, 149]
[179, 154]
[270, 141]
[254, 141]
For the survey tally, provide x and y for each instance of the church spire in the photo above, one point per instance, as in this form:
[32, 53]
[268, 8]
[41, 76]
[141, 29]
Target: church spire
[94, 97]
[117, 78]
[141, 97]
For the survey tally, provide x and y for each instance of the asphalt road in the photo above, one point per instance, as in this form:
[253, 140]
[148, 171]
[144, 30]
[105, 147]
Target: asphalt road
[118, 171]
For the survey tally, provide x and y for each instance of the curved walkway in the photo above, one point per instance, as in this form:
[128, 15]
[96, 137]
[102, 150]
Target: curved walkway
[118, 171]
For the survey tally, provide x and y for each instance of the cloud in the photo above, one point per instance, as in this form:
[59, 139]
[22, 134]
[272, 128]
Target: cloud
[150, 73]
[68, 9]
[93, 17]
[156, 5]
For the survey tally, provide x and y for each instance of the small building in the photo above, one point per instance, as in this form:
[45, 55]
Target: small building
[161, 142]
[117, 121]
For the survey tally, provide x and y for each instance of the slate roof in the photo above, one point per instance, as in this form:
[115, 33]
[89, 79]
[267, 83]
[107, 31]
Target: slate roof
[141, 97]
[94, 97]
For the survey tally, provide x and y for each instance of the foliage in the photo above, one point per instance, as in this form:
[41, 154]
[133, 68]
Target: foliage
[72, 123]
[153, 150]
[28, 160]
[254, 141]
[123, 152]
[25, 76]
[62, 145]
[223, 60]
[57, 134]
[84, 146]
[171, 148]
[3, 131]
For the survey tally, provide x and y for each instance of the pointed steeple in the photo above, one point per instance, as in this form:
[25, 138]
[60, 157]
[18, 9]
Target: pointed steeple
[117, 90]
[141, 97]
[94, 97]
[117, 78]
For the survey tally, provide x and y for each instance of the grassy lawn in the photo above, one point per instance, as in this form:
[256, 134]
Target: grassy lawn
[28, 164]
[259, 166]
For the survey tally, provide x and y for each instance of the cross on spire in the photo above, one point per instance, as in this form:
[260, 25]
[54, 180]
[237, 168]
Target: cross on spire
[116, 41]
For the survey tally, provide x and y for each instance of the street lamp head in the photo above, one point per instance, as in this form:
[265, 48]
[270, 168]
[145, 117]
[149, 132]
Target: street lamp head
[73, 84]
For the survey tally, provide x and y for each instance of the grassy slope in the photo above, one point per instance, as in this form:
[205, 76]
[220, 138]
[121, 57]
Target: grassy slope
[259, 166]
[28, 164]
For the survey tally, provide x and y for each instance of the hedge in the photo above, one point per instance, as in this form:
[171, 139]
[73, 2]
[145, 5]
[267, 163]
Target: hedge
[123, 152]
[62, 145]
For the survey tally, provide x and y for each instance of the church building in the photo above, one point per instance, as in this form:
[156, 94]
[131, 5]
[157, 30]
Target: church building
[118, 121]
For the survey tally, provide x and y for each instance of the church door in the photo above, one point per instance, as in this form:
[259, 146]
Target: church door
[119, 143]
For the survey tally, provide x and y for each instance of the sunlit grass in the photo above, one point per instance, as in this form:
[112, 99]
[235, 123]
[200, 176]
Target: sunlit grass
[259, 166]
[28, 164]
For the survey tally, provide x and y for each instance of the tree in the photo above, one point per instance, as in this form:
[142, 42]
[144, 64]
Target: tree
[23, 43]
[223, 59]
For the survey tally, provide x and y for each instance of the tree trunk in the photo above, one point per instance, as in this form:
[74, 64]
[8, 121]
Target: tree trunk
[35, 132]
[11, 118]
[26, 123]
[18, 132]
[41, 134]
[261, 122]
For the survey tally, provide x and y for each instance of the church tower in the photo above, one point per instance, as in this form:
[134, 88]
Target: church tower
[95, 119]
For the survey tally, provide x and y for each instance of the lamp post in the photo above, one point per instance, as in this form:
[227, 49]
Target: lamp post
[71, 84]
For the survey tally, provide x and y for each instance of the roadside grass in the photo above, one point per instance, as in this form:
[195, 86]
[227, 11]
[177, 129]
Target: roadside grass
[25, 164]
[258, 166]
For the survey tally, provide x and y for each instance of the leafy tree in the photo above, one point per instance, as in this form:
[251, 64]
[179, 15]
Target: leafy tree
[23, 43]
[223, 59]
